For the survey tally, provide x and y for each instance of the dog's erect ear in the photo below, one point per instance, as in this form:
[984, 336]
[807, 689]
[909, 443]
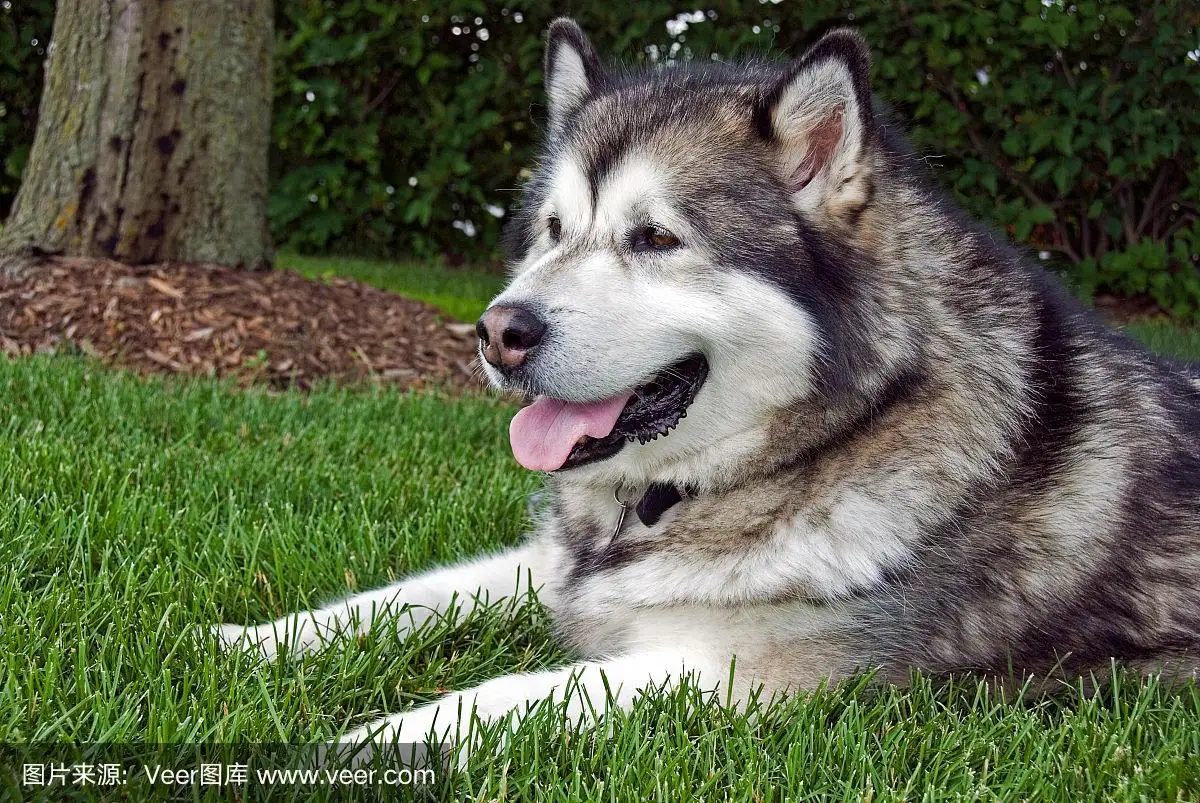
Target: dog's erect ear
[573, 69]
[818, 116]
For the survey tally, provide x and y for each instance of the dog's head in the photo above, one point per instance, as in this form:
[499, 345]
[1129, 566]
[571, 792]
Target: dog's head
[680, 267]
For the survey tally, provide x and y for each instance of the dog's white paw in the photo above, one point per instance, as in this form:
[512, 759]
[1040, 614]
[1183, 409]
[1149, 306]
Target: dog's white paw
[235, 638]
[417, 739]
[291, 636]
[413, 726]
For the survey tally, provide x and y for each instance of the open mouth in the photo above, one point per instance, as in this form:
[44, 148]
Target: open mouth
[552, 434]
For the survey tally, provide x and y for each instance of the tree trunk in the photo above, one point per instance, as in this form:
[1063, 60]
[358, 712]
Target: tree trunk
[152, 135]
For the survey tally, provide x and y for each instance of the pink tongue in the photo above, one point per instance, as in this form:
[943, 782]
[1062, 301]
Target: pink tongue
[544, 433]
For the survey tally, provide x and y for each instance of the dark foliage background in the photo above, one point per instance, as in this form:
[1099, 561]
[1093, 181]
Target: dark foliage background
[24, 36]
[402, 128]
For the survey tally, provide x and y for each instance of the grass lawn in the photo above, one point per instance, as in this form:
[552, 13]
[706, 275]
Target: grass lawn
[133, 510]
[459, 292]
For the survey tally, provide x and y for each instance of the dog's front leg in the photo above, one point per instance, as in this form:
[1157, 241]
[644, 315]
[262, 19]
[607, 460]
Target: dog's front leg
[590, 690]
[407, 603]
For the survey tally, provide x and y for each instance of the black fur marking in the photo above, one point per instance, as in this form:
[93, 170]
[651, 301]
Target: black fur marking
[658, 499]
[605, 161]
[591, 552]
[1059, 410]
[619, 552]
[616, 551]
[830, 282]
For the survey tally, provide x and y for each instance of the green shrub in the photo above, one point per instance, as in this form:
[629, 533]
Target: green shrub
[1073, 127]
[24, 36]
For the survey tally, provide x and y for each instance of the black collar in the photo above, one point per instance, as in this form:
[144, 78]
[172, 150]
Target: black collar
[658, 499]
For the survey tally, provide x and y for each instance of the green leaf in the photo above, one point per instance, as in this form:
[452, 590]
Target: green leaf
[1062, 140]
[1043, 169]
[1033, 24]
[1041, 137]
[14, 163]
[1013, 143]
[1058, 33]
[1062, 177]
[1041, 214]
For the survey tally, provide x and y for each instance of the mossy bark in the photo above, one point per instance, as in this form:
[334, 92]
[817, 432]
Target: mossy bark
[152, 135]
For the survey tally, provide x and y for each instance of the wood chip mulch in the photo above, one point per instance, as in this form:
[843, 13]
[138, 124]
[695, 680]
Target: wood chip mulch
[274, 327]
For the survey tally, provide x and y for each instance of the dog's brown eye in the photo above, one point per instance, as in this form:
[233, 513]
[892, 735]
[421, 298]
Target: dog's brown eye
[654, 238]
[554, 225]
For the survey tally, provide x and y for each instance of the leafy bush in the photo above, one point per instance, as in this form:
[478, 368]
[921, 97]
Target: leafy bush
[403, 128]
[24, 36]
[1075, 127]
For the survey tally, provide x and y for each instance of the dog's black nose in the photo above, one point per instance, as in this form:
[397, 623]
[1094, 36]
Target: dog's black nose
[508, 334]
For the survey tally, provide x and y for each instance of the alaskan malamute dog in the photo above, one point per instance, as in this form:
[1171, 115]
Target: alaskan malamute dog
[795, 409]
